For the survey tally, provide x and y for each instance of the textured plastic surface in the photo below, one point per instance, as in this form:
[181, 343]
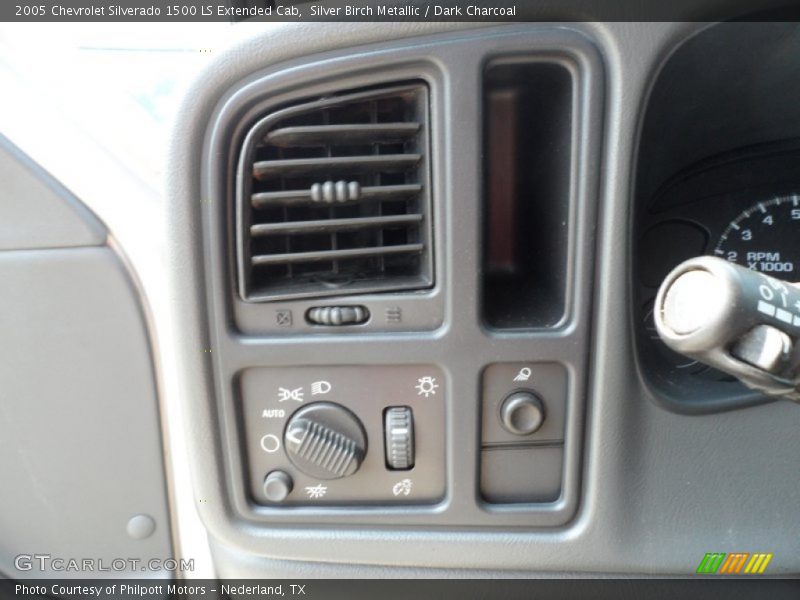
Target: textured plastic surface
[80, 441]
[80, 446]
[518, 475]
[36, 212]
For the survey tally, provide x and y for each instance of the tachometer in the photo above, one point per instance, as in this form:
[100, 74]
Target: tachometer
[765, 238]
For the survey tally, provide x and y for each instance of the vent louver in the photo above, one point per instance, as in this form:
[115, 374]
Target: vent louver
[333, 197]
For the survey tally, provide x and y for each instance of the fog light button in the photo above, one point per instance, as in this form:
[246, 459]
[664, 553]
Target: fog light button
[522, 413]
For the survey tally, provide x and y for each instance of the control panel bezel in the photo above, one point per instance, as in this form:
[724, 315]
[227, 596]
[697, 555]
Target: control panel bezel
[448, 331]
[366, 392]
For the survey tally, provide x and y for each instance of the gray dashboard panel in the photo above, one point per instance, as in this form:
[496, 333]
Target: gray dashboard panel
[659, 490]
[80, 440]
[35, 212]
[81, 450]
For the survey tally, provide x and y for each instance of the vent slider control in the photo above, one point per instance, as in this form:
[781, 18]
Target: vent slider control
[338, 315]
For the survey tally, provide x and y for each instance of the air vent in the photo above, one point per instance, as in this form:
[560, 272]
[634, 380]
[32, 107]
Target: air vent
[333, 197]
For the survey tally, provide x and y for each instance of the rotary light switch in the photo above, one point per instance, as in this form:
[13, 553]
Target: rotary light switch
[325, 440]
[398, 429]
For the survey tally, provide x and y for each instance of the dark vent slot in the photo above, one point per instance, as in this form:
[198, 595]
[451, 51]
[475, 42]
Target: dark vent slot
[321, 135]
[334, 166]
[333, 197]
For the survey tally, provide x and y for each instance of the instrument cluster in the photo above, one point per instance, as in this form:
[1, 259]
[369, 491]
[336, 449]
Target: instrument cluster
[743, 207]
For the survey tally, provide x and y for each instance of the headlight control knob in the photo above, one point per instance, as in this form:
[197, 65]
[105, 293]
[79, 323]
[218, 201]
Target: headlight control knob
[325, 440]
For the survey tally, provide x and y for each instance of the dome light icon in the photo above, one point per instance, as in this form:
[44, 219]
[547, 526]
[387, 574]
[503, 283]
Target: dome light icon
[426, 386]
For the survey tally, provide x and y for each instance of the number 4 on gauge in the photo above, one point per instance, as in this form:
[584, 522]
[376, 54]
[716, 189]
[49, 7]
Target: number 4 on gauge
[762, 238]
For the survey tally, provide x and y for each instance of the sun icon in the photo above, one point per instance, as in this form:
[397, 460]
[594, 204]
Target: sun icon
[426, 386]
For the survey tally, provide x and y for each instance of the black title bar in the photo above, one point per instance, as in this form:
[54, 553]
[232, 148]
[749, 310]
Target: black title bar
[396, 10]
[705, 588]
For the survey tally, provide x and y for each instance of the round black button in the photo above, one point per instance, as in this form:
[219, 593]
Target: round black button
[277, 486]
[522, 413]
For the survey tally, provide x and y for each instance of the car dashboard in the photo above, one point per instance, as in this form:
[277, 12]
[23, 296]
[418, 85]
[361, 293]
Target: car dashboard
[391, 289]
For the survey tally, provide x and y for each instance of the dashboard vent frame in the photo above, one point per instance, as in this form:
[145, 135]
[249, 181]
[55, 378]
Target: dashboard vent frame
[333, 197]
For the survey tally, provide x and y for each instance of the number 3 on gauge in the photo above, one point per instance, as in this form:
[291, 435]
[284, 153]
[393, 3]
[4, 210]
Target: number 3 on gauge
[765, 238]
